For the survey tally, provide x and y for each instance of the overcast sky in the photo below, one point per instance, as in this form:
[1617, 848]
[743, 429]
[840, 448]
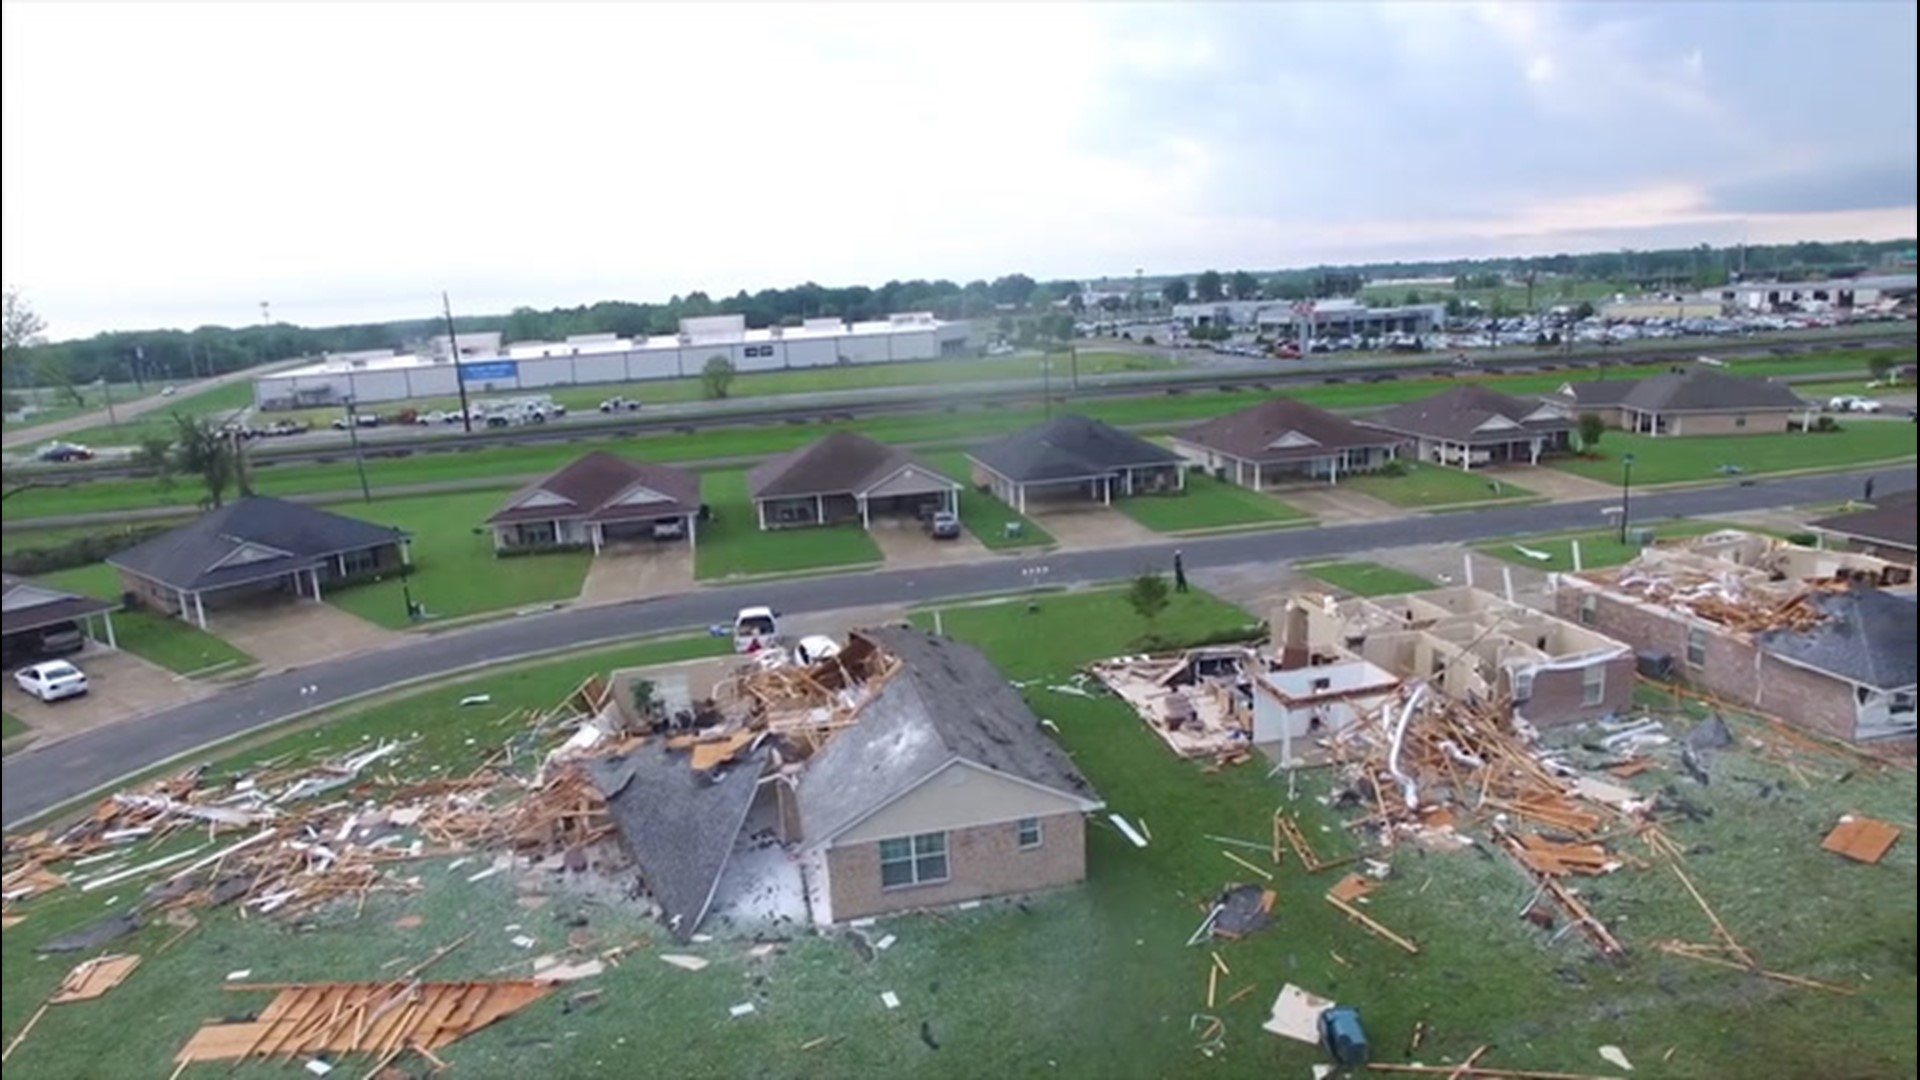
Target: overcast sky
[173, 165]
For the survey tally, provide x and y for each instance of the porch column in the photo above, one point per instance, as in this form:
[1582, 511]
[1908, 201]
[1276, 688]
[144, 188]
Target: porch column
[1466, 457]
[953, 500]
[693, 532]
[1180, 477]
[1259, 477]
[1020, 496]
[1106, 491]
[106, 617]
[499, 539]
[1533, 452]
[199, 611]
[1126, 482]
[340, 562]
[1333, 469]
[406, 552]
[866, 520]
[593, 533]
[181, 596]
[315, 575]
[819, 509]
[760, 507]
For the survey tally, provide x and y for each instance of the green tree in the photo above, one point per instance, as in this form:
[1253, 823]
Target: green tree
[1149, 596]
[1583, 310]
[20, 328]
[1412, 298]
[1210, 287]
[716, 377]
[1176, 291]
[1245, 286]
[155, 453]
[1880, 367]
[1592, 427]
[201, 450]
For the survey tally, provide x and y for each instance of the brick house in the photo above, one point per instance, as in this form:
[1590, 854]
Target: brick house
[1700, 401]
[1074, 458]
[256, 547]
[1847, 672]
[1885, 529]
[1282, 440]
[598, 499]
[946, 790]
[1471, 426]
[846, 477]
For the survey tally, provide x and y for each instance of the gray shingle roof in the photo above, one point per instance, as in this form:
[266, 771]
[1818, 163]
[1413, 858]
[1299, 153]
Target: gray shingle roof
[590, 483]
[1891, 521]
[1696, 390]
[1603, 394]
[248, 540]
[1070, 448]
[1869, 637]
[948, 702]
[1253, 433]
[840, 464]
[1457, 414]
[679, 825]
[29, 605]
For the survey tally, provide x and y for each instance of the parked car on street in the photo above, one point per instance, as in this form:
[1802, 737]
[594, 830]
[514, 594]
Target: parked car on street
[53, 680]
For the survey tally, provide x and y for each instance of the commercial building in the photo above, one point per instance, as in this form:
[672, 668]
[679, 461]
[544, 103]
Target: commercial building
[488, 367]
[1824, 640]
[1842, 294]
[1306, 319]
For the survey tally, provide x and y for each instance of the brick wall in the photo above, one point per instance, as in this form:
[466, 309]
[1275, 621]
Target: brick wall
[1758, 423]
[1733, 669]
[1559, 697]
[151, 596]
[981, 862]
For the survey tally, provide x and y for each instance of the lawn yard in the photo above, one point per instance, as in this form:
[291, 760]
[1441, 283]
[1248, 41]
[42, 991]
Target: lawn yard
[1426, 487]
[1367, 578]
[12, 726]
[984, 515]
[215, 404]
[1675, 461]
[1209, 504]
[1599, 548]
[1839, 362]
[156, 638]
[734, 545]
[455, 572]
[1091, 982]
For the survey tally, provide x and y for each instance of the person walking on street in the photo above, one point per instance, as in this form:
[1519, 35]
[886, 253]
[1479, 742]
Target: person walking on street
[1866, 495]
[1179, 572]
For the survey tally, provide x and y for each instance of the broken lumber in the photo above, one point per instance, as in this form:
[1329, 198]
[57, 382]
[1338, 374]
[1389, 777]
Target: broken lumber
[1363, 919]
[1483, 1072]
[1263, 873]
[1719, 928]
[1695, 952]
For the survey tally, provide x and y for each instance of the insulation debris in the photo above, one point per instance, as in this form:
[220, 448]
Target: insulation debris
[1200, 702]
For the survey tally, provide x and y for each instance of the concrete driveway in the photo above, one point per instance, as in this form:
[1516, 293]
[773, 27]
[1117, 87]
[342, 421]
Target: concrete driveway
[1553, 483]
[637, 571]
[1085, 526]
[1334, 505]
[905, 544]
[290, 633]
[121, 687]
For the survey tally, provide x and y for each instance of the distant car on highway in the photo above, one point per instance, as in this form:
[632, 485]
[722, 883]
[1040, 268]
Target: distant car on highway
[619, 405]
[359, 419]
[63, 452]
[166, 391]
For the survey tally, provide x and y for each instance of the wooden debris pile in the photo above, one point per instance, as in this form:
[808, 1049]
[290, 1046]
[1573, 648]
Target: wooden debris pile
[1200, 702]
[805, 703]
[91, 980]
[1737, 597]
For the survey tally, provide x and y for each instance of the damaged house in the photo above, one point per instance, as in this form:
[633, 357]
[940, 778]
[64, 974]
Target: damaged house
[1824, 640]
[1465, 643]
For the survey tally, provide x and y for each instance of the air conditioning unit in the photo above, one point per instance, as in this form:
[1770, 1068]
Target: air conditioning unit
[1654, 664]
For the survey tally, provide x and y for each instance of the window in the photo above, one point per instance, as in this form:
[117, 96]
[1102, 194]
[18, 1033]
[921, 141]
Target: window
[1029, 831]
[1593, 684]
[1696, 646]
[1522, 686]
[364, 561]
[1589, 609]
[1739, 421]
[752, 351]
[913, 860]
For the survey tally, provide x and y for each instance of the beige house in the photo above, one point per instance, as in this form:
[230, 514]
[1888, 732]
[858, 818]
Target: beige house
[1700, 401]
[947, 789]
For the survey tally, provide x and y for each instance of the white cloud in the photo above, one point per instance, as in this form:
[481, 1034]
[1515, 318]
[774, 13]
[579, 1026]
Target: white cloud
[177, 163]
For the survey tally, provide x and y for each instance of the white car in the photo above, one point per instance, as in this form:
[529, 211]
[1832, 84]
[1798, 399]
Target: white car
[1853, 403]
[52, 681]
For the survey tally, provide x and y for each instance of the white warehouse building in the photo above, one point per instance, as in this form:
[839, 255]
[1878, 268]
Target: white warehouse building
[488, 367]
[1300, 320]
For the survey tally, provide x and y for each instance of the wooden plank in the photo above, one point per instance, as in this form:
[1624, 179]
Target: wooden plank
[1363, 919]
[1250, 866]
[93, 978]
[1861, 839]
[1481, 1072]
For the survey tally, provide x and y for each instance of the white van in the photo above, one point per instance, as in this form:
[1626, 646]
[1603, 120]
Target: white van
[756, 628]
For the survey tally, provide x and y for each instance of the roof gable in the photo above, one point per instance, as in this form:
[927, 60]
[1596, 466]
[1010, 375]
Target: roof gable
[22, 595]
[841, 463]
[908, 479]
[538, 498]
[1464, 411]
[1292, 440]
[1707, 390]
[1496, 423]
[639, 495]
[248, 539]
[596, 483]
[244, 553]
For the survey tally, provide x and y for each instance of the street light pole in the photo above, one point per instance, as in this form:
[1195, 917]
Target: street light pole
[406, 571]
[1046, 385]
[1626, 494]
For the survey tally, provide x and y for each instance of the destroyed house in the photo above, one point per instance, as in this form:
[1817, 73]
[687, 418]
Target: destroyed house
[945, 789]
[1824, 640]
[1467, 644]
[1199, 702]
[1885, 529]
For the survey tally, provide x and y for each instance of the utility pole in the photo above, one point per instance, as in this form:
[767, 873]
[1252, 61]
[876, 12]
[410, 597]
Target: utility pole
[359, 460]
[459, 375]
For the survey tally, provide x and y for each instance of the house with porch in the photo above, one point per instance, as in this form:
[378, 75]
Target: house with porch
[1074, 457]
[597, 500]
[846, 477]
[1282, 440]
[1700, 401]
[39, 620]
[1471, 426]
[252, 548]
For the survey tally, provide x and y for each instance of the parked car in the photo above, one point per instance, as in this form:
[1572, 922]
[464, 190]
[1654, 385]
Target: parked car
[1853, 403]
[359, 419]
[619, 404]
[61, 452]
[53, 680]
[670, 529]
[944, 525]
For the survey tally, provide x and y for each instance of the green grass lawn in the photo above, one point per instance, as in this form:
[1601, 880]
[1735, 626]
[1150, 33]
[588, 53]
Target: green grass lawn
[984, 515]
[1425, 486]
[733, 544]
[1367, 578]
[12, 726]
[1840, 361]
[1598, 548]
[1093, 981]
[159, 639]
[216, 403]
[1673, 461]
[455, 572]
[1208, 504]
[55, 407]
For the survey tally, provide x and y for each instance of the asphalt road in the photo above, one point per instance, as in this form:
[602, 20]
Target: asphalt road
[40, 780]
[122, 411]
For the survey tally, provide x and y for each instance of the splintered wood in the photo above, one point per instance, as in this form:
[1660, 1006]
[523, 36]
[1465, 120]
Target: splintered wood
[807, 702]
[1191, 700]
[374, 1019]
[1861, 839]
[94, 978]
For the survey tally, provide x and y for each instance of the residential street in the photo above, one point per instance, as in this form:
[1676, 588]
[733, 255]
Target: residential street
[39, 779]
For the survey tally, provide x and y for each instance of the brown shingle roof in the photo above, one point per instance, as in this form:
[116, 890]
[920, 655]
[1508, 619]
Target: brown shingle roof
[1460, 413]
[842, 463]
[591, 486]
[29, 605]
[1891, 521]
[1256, 433]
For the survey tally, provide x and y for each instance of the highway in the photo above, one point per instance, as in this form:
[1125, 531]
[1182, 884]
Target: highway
[45, 778]
[1221, 373]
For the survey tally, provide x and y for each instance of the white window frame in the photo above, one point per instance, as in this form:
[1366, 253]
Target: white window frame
[1593, 684]
[1696, 643]
[1029, 834]
[926, 860]
[1589, 609]
[1522, 686]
